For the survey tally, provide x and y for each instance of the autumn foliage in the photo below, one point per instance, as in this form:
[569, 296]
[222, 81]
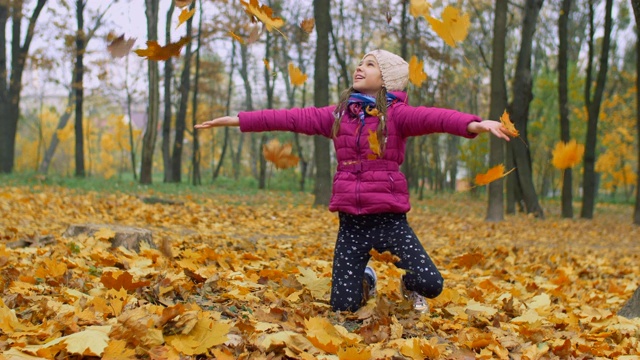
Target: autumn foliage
[249, 277]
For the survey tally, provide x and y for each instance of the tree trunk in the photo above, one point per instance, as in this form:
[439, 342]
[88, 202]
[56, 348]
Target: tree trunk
[495, 207]
[322, 189]
[10, 93]
[563, 100]
[593, 109]
[225, 143]
[79, 88]
[636, 11]
[167, 117]
[522, 96]
[244, 73]
[269, 82]
[196, 179]
[151, 130]
[181, 117]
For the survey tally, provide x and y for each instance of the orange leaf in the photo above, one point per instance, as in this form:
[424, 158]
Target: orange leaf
[469, 260]
[280, 155]
[156, 52]
[567, 155]
[374, 144]
[185, 15]
[386, 256]
[354, 353]
[506, 122]
[307, 25]
[323, 334]
[495, 173]
[296, 76]
[454, 26]
[236, 37]
[183, 3]
[416, 71]
[123, 281]
[262, 13]
[266, 64]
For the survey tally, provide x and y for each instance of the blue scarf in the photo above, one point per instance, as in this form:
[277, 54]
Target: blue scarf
[358, 104]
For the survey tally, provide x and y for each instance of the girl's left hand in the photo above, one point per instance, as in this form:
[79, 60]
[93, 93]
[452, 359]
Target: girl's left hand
[494, 127]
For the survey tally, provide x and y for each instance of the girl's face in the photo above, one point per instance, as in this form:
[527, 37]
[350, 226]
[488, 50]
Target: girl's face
[367, 78]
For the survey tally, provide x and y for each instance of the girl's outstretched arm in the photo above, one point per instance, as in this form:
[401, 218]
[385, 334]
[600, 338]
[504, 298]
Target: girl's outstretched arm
[494, 127]
[221, 121]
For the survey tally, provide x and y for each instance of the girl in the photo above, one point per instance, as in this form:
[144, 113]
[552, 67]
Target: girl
[369, 128]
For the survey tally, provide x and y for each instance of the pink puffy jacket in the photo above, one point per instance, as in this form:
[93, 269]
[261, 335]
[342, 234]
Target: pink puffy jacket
[362, 186]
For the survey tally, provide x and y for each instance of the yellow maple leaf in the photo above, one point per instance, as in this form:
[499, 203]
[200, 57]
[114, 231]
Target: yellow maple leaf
[505, 119]
[374, 144]
[155, 52]
[419, 8]
[319, 287]
[206, 334]
[323, 334]
[354, 353]
[185, 15]
[416, 71]
[280, 155]
[296, 76]
[567, 155]
[117, 350]
[51, 268]
[262, 13]
[411, 348]
[104, 234]
[90, 342]
[495, 173]
[454, 26]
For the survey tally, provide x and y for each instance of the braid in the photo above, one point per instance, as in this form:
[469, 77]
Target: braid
[340, 109]
[381, 106]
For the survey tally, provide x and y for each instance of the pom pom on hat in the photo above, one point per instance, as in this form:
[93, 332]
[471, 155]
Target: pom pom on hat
[395, 71]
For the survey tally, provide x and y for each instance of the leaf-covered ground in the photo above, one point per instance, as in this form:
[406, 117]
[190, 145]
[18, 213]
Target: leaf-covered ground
[248, 278]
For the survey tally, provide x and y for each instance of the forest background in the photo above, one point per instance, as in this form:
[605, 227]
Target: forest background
[73, 108]
[234, 271]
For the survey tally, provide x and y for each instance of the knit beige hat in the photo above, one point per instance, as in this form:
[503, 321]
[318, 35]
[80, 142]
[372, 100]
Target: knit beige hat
[395, 71]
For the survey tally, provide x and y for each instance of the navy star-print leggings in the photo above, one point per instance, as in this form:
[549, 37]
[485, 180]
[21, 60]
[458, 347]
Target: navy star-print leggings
[357, 235]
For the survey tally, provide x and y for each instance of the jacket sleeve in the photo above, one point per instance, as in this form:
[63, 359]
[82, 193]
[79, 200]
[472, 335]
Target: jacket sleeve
[309, 121]
[421, 120]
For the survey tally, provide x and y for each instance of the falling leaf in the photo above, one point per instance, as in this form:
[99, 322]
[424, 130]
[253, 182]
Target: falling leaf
[567, 155]
[254, 34]
[416, 71]
[296, 76]
[495, 173]
[386, 256]
[120, 46]
[280, 155]
[262, 13]
[185, 15]
[505, 119]
[266, 63]
[374, 144]
[419, 8]
[236, 37]
[453, 27]
[307, 25]
[155, 52]
[123, 281]
[182, 3]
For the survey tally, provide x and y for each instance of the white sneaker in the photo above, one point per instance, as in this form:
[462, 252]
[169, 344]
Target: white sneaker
[419, 302]
[369, 283]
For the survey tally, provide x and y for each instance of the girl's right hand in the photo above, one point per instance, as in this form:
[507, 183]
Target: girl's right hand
[221, 121]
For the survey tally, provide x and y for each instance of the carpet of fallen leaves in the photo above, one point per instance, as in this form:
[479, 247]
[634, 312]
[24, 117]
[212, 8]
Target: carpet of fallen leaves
[248, 278]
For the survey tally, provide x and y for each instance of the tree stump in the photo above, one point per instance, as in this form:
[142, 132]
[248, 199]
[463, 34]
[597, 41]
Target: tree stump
[127, 236]
[631, 309]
